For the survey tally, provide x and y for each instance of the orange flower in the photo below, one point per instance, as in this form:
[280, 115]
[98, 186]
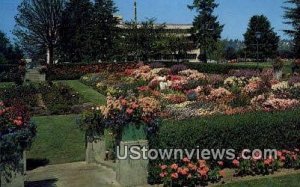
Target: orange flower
[192, 166]
[174, 175]
[123, 102]
[222, 173]
[174, 166]
[236, 163]
[129, 111]
[267, 162]
[202, 172]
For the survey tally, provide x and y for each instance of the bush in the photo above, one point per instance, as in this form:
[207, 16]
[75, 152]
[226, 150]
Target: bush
[259, 130]
[214, 68]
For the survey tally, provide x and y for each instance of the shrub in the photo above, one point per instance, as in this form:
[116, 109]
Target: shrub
[175, 69]
[259, 130]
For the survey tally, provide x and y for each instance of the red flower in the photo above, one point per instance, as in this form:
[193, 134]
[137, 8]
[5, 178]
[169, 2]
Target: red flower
[18, 122]
[236, 163]
[268, 162]
[162, 175]
[1, 112]
[174, 175]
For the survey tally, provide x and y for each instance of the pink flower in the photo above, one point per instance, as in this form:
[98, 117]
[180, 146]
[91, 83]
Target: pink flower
[1, 103]
[186, 160]
[1, 112]
[18, 122]
[163, 167]
[221, 163]
[236, 163]
[129, 111]
[174, 166]
[174, 175]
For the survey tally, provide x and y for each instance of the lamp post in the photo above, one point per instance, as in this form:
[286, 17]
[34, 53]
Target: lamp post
[258, 37]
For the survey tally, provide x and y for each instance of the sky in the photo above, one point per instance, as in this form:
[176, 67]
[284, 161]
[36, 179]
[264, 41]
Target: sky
[234, 14]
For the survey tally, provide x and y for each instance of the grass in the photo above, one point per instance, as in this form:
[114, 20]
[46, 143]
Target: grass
[4, 85]
[292, 180]
[88, 93]
[286, 69]
[59, 140]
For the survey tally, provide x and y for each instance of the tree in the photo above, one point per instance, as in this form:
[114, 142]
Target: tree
[9, 53]
[104, 30]
[206, 29]
[38, 23]
[266, 44]
[75, 30]
[143, 41]
[292, 15]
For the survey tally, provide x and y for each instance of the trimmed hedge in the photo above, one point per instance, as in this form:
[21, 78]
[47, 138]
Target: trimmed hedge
[214, 68]
[258, 130]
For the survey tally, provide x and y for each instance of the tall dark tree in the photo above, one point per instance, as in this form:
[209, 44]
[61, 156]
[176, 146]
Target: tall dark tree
[292, 15]
[75, 30]
[206, 29]
[260, 35]
[38, 23]
[104, 30]
[9, 53]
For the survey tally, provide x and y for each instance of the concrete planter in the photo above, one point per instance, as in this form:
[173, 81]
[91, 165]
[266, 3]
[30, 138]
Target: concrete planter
[17, 179]
[132, 172]
[95, 148]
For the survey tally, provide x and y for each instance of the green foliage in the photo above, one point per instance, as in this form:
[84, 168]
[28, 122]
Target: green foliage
[9, 53]
[38, 23]
[292, 15]
[268, 42]
[75, 31]
[206, 29]
[259, 130]
[215, 68]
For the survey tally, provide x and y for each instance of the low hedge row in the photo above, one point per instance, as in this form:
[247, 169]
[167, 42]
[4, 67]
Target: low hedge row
[258, 130]
[214, 68]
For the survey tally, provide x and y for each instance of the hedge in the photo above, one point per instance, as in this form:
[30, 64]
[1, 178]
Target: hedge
[214, 68]
[258, 130]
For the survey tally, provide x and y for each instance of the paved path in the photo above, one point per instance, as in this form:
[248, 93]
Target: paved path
[77, 174]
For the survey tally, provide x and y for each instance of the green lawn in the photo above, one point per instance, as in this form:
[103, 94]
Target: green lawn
[286, 69]
[292, 180]
[58, 140]
[88, 93]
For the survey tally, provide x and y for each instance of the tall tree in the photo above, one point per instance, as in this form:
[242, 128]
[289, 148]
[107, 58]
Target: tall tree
[38, 23]
[206, 29]
[75, 30]
[292, 15]
[9, 53]
[104, 30]
[260, 36]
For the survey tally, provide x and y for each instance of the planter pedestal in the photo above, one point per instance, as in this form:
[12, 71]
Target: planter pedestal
[17, 179]
[95, 148]
[132, 172]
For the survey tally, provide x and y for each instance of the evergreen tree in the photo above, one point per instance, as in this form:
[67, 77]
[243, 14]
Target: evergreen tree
[9, 53]
[38, 23]
[75, 30]
[292, 15]
[206, 29]
[104, 30]
[267, 42]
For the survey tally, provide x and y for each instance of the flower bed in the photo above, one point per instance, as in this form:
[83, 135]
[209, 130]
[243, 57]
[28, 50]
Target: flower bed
[16, 135]
[44, 99]
[227, 94]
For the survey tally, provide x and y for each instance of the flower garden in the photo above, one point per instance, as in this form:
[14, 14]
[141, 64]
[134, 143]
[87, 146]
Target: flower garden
[175, 106]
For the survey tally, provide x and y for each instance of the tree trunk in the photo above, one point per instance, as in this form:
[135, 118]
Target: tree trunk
[50, 54]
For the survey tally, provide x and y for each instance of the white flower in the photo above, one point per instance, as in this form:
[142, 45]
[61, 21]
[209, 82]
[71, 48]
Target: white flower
[280, 86]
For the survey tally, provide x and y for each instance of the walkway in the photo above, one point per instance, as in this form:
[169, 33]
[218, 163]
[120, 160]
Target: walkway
[78, 174]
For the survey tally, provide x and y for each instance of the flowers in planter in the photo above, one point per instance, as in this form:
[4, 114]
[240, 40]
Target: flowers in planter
[16, 135]
[188, 173]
